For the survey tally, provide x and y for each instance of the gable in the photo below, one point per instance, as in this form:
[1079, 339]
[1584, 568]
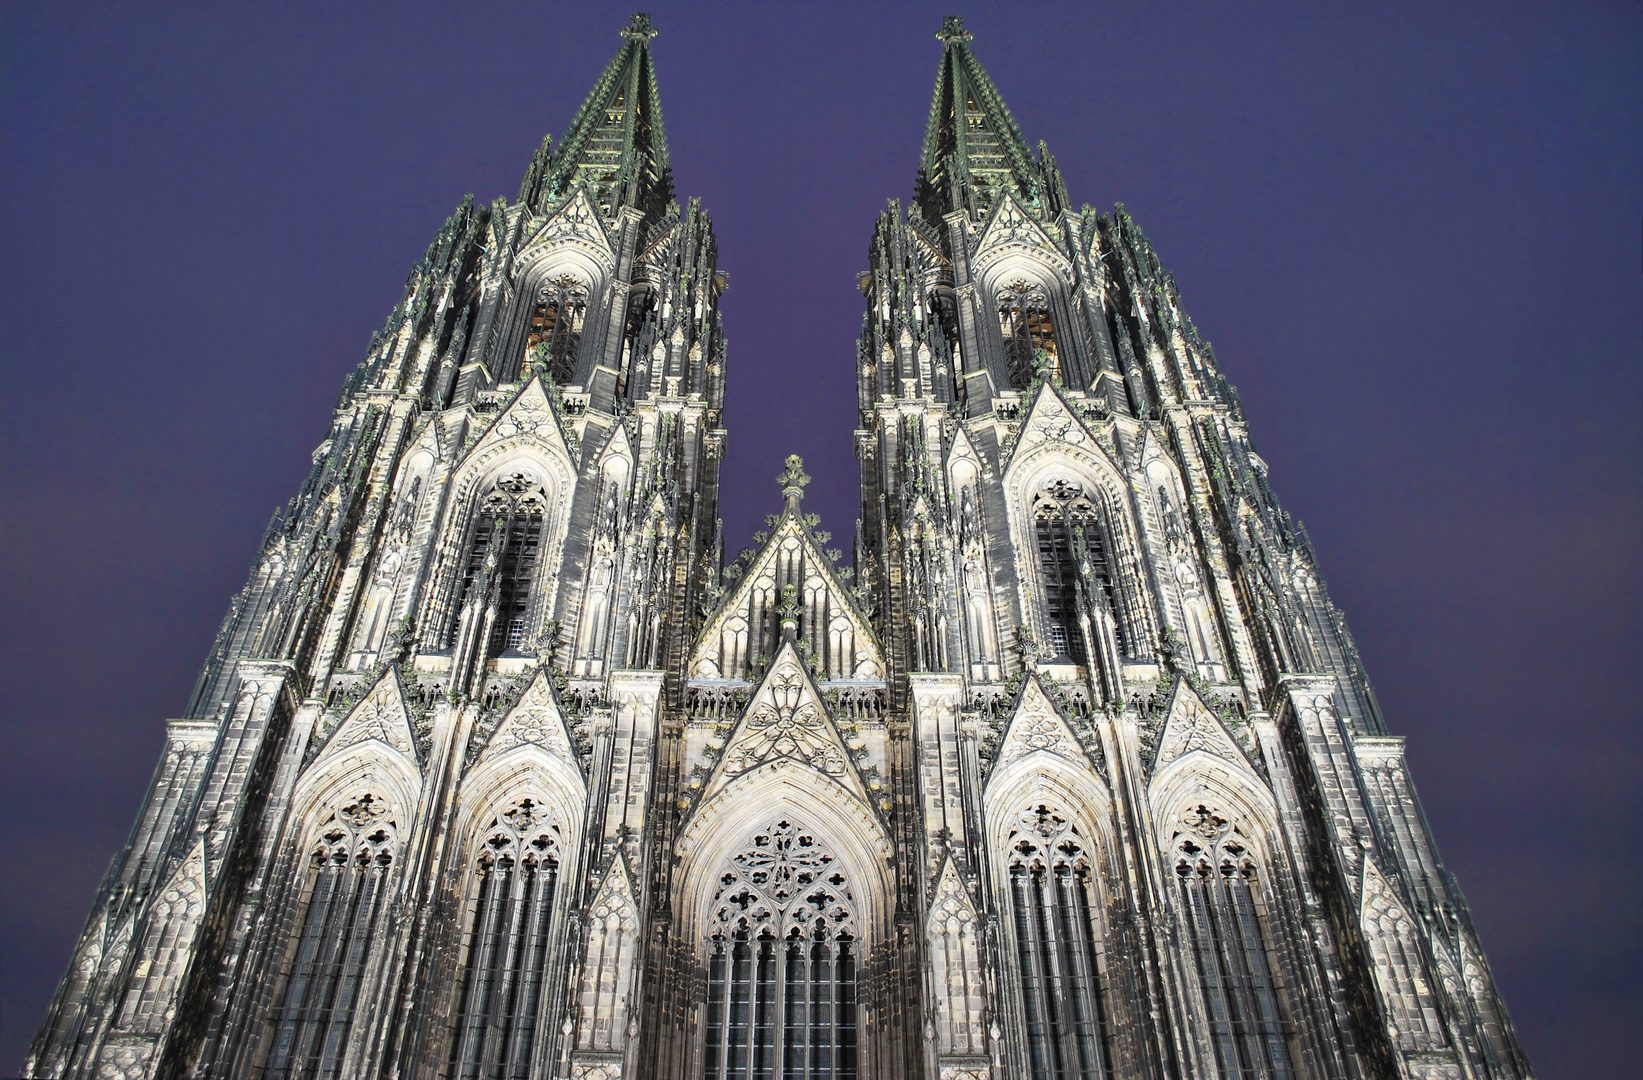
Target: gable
[536, 720]
[530, 416]
[1037, 727]
[745, 625]
[1011, 227]
[577, 221]
[1192, 727]
[380, 717]
[1051, 424]
[786, 721]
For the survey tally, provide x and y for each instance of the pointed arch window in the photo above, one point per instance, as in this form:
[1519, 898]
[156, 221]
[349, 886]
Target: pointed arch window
[1073, 564]
[515, 883]
[1029, 334]
[782, 957]
[1053, 902]
[504, 557]
[344, 897]
[555, 332]
[1228, 936]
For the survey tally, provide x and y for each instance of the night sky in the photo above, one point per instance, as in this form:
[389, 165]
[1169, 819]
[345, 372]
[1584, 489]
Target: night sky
[1412, 236]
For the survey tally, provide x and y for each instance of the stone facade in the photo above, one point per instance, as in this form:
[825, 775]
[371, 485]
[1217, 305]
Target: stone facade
[498, 768]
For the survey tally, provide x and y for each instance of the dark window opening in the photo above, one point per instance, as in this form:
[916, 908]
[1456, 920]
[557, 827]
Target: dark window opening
[1029, 335]
[555, 333]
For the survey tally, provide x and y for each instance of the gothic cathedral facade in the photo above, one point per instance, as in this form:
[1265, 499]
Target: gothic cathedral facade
[499, 768]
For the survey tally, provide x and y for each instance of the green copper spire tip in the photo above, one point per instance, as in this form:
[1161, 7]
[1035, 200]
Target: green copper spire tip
[952, 31]
[639, 28]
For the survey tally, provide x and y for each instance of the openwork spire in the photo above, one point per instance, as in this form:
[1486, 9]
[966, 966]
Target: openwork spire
[615, 145]
[973, 149]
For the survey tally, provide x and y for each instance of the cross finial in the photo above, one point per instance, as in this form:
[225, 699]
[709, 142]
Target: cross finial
[793, 479]
[952, 30]
[639, 28]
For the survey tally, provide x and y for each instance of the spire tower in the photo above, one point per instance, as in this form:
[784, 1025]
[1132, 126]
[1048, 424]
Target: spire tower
[499, 769]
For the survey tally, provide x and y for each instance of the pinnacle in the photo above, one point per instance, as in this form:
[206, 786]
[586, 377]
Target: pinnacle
[952, 31]
[793, 479]
[639, 28]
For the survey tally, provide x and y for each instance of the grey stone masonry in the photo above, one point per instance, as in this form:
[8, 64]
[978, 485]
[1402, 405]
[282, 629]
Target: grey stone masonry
[499, 768]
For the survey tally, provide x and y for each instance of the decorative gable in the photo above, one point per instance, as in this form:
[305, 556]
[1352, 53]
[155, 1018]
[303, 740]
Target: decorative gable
[536, 721]
[786, 720]
[1051, 422]
[530, 415]
[380, 716]
[745, 625]
[1192, 726]
[1037, 727]
[578, 221]
[1012, 226]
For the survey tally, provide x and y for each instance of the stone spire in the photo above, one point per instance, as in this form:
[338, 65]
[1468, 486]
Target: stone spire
[615, 144]
[973, 149]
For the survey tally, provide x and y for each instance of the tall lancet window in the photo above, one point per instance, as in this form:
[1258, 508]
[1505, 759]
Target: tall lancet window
[1053, 903]
[782, 955]
[343, 906]
[1227, 934]
[504, 557]
[1072, 560]
[555, 332]
[1029, 334]
[515, 880]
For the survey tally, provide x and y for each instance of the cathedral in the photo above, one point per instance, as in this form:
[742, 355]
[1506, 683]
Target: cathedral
[1058, 765]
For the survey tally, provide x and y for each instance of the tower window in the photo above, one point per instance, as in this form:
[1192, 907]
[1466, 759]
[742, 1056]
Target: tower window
[1052, 912]
[516, 877]
[556, 327]
[1072, 559]
[1029, 334]
[347, 890]
[504, 556]
[1227, 936]
[782, 952]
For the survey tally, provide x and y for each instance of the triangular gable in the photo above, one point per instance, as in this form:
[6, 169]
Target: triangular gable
[962, 449]
[1011, 225]
[536, 720]
[380, 716]
[706, 659]
[950, 899]
[1192, 726]
[786, 719]
[1376, 894]
[616, 891]
[617, 445]
[575, 218]
[530, 413]
[1037, 727]
[1050, 420]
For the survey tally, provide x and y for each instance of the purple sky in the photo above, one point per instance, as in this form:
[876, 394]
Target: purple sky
[1413, 237]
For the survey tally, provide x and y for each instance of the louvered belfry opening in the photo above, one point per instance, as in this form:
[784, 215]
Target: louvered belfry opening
[504, 556]
[346, 892]
[1052, 910]
[1226, 933]
[1073, 564]
[1029, 334]
[516, 878]
[555, 333]
[782, 958]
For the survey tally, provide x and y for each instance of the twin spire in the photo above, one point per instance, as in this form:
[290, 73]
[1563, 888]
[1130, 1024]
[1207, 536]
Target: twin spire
[973, 149]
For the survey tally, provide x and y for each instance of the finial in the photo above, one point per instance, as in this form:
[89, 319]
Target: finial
[793, 479]
[639, 28]
[952, 30]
